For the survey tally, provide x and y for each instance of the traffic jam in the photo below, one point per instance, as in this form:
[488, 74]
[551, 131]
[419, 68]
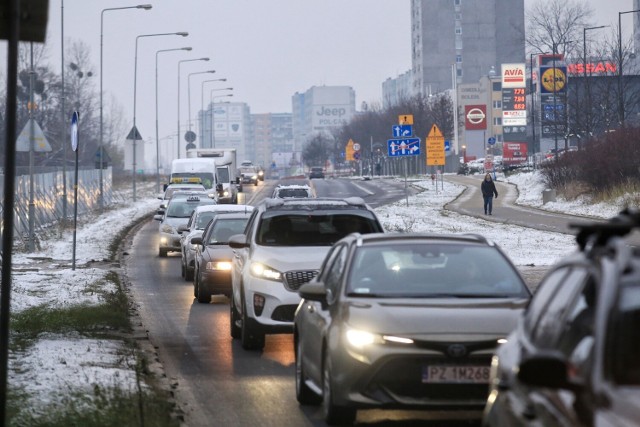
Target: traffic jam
[410, 320]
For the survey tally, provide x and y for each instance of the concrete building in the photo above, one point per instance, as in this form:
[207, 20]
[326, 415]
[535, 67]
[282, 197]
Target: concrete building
[464, 38]
[397, 89]
[271, 133]
[231, 122]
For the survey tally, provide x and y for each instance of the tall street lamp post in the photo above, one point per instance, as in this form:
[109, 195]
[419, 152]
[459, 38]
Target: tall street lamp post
[101, 153]
[621, 112]
[202, 102]
[213, 128]
[179, 63]
[157, 137]
[202, 122]
[135, 76]
[189, 91]
[587, 89]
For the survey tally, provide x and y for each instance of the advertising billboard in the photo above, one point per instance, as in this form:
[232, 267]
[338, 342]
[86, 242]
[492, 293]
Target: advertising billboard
[513, 75]
[514, 153]
[475, 117]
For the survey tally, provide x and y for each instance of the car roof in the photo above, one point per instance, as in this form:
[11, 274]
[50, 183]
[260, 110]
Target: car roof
[234, 215]
[373, 238]
[224, 208]
[319, 203]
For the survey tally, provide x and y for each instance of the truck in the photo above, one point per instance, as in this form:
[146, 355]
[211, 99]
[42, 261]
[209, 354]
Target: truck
[226, 170]
[195, 170]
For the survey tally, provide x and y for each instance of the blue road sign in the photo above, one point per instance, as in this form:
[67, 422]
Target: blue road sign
[356, 155]
[403, 147]
[491, 140]
[402, 131]
[447, 145]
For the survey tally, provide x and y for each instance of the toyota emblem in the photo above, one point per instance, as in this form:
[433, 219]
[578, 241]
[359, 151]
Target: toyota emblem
[457, 350]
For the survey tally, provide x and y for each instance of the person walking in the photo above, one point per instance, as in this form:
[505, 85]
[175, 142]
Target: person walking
[488, 188]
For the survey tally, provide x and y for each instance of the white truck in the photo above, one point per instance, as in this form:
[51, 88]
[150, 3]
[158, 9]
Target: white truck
[188, 170]
[226, 170]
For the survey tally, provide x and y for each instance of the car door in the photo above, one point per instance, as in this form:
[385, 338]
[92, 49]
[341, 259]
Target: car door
[318, 318]
[240, 257]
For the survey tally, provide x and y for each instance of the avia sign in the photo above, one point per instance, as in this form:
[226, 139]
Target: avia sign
[475, 117]
[513, 75]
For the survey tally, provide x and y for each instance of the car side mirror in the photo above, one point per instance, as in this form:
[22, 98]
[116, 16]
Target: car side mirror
[544, 369]
[164, 187]
[157, 217]
[314, 291]
[182, 228]
[238, 241]
[219, 187]
[196, 240]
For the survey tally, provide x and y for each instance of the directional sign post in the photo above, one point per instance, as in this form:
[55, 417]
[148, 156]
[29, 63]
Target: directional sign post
[403, 147]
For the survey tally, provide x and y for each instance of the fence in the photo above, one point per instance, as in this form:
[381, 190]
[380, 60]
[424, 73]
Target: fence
[48, 196]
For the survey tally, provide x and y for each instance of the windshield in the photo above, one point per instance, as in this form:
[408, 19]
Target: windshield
[183, 208]
[433, 270]
[206, 178]
[292, 192]
[311, 230]
[223, 174]
[224, 229]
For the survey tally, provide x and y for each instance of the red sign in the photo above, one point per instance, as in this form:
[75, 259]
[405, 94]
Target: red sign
[593, 68]
[475, 117]
[514, 153]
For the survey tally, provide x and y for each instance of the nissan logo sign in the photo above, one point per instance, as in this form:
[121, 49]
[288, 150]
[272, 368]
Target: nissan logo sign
[475, 116]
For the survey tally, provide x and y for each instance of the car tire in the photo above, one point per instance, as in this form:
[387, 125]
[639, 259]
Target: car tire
[333, 414]
[162, 253]
[250, 339]
[188, 273]
[304, 394]
[234, 318]
[202, 296]
[196, 285]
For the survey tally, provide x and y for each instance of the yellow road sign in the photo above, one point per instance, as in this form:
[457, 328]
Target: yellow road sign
[435, 147]
[405, 119]
[349, 151]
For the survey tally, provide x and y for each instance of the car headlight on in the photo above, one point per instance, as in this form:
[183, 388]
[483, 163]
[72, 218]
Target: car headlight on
[254, 177]
[166, 228]
[260, 173]
[264, 272]
[225, 194]
[360, 339]
[219, 265]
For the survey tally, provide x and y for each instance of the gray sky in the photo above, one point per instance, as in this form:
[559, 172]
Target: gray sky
[267, 49]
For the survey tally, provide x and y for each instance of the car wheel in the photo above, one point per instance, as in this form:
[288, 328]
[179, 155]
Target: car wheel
[188, 273]
[333, 414]
[196, 285]
[304, 394]
[203, 297]
[162, 253]
[251, 340]
[234, 318]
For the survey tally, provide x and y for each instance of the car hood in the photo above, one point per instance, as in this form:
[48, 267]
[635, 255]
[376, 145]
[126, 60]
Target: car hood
[288, 258]
[174, 221]
[437, 319]
[218, 252]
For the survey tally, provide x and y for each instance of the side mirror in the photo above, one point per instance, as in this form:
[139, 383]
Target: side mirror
[545, 369]
[157, 217]
[182, 228]
[315, 291]
[238, 241]
[196, 240]
[160, 212]
[219, 187]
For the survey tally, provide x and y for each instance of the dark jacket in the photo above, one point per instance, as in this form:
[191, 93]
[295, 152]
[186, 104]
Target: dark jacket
[488, 188]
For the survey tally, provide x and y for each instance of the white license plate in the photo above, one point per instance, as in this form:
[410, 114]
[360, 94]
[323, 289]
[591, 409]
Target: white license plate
[455, 374]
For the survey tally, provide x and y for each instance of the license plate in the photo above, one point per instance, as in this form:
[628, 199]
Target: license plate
[455, 374]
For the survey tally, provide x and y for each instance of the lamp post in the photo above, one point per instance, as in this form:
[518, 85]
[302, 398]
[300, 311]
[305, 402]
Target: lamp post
[202, 102]
[135, 76]
[189, 90]
[464, 153]
[180, 62]
[621, 112]
[157, 137]
[586, 87]
[213, 128]
[101, 154]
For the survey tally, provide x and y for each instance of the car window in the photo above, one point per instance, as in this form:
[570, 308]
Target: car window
[432, 270]
[623, 337]
[550, 325]
[203, 219]
[334, 273]
[292, 192]
[546, 290]
[224, 229]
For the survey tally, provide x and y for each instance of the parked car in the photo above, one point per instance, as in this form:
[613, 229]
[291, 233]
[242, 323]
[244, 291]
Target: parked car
[199, 219]
[214, 256]
[404, 321]
[574, 359]
[282, 248]
[285, 191]
[316, 172]
[177, 213]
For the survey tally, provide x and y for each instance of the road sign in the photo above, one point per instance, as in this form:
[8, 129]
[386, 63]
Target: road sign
[356, 147]
[447, 145]
[190, 136]
[40, 143]
[491, 140]
[435, 147]
[74, 130]
[402, 131]
[349, 151]
[405, 119]
[356, 156]
[403, 147]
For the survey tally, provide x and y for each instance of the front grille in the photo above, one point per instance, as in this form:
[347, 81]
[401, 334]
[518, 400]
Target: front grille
[294, 279]
[401, 379]
[284, 313]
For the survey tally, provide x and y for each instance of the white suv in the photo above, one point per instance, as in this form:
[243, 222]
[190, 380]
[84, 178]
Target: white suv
[285, 243]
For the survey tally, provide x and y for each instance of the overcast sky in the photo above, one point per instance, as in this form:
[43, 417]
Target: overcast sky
[267, 49]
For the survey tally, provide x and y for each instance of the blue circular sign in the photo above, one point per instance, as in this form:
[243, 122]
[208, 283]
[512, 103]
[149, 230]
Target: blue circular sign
[356, 156]
[491, 141]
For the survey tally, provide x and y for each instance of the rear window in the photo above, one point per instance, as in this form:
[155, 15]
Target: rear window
[183, 208]
[292, 192]
[312, 229]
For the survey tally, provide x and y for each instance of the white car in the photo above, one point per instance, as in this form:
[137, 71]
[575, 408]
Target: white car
[178, 212]
[171, 190]
[194, 228]
[285, 243]
[301, 191]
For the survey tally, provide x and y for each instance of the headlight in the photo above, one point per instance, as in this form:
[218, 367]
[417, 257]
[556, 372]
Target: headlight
[219, 265]
[254, 177]
[166, 228]
[264, 272]
[360, 339]
[225, 194]
[260, 173]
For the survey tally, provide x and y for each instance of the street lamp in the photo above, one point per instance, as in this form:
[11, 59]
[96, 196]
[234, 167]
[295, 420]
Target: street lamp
[140, 6]
[189, 90]
[180, 62]
[135, 77]
[464, 153]
[202, 102]
[586, 87]
[621, 112]
[157, 138]
[213, 129]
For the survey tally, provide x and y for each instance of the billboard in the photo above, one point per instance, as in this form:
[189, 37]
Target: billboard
[475, 117]
[514, 153]
[513, 75]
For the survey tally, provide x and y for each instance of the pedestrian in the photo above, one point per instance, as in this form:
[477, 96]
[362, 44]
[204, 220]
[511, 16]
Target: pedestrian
[488, 188]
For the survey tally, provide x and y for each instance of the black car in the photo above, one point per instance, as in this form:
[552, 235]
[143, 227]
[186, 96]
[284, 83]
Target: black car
[574, 359]
[404, 320]
[316, 172]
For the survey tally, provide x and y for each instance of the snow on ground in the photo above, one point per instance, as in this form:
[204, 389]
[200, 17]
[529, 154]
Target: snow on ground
[56, 364]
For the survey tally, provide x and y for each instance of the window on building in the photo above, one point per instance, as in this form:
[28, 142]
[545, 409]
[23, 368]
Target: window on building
[497, 86]
[497, 121]
[458, 30]
[459, 59]
[458, 17]
[497, 104]
[459, 72]
[458, 43]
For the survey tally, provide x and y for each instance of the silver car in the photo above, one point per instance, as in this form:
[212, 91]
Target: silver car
[404, 321]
